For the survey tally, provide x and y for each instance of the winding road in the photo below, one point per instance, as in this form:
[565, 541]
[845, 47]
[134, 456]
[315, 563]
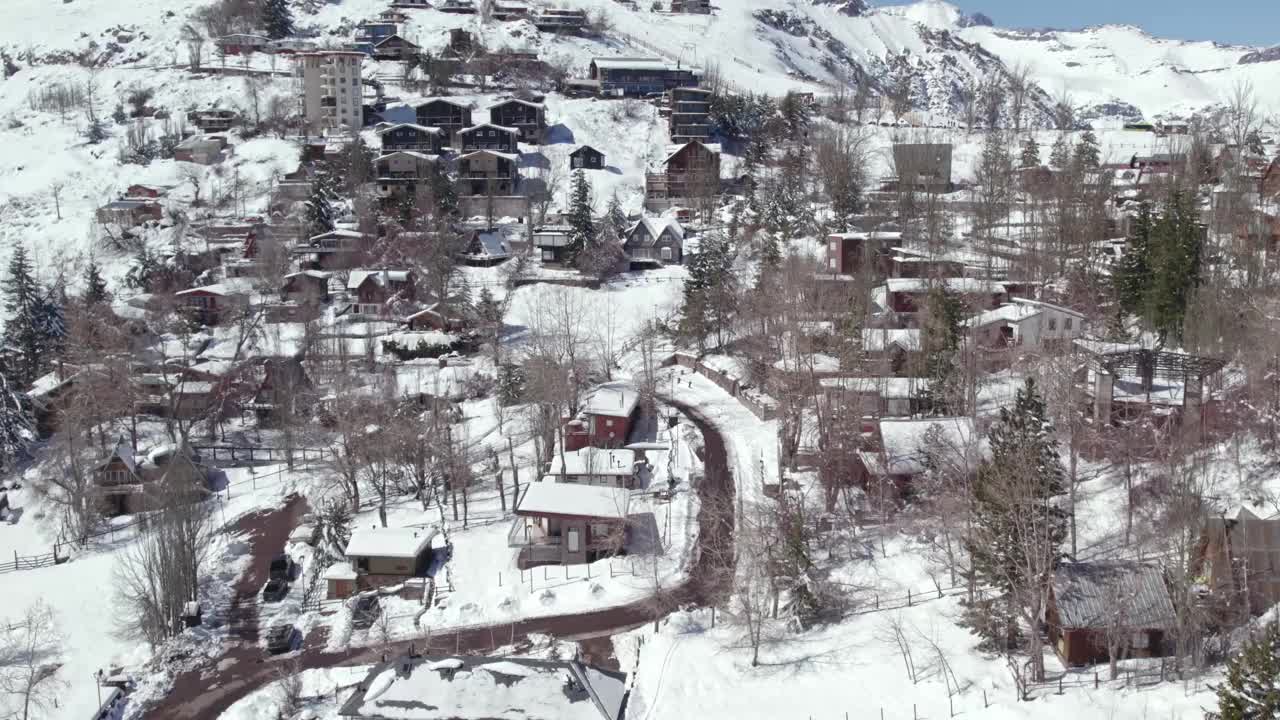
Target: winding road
[205, 693]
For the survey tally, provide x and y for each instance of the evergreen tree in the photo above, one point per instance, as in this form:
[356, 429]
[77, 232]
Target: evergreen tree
[1253, 143]
[320, 211]
[1016, 523]
[1252, 687]
[1132, 275]
[95, 287]
[1088, 156]
[487, 308]
[940, 337]
[511, 384]
[710, 292]
[51, 320]
[1060, 154]
[277, 18]
[615, 220]
[17, 425]
[580, 219]
[1177, 247]
[1030, 156]
[23, 333]
[444, 193]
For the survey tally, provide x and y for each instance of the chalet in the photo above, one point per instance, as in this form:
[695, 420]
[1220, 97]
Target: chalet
[892, 351]
[461, 7]
[411, 136]
[306, 287]
[448, 115]
[190, 399]
[594, 466]
[334, 250]
[636, 77]
[486, 248]
[371, 31]
[568, 524]
[284, 391]
[690, 170]
[1239, 557]
[508, 11]
[201, 150]
[129, 485]
[605, 418]
[908, 296]
[214, 120]
[551, 241]
[400, 172]
[128, 212]
[145, 192]
[1029, 325]
[923, 166]
[586, 158]
[851, 252]
[690, 114]
[420, 4]
[900, 452]
[528, 118]
[467, 686]
[213, 304]
[242, 44]
[559, 20]
[876, 396]
[693, 7]
[1099, 610]
[381, 556]
[487, 136]
[488, 172]
[394, 47]
[392, 15]
[655, 241]
[435, 317]
[374, 291]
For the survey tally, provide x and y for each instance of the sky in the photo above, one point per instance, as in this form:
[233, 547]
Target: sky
[1242, 22]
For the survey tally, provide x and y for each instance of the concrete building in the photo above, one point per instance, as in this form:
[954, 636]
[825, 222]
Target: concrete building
[330, 87]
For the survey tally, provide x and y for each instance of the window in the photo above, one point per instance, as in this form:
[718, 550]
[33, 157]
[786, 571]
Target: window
[608, 423]
[577, 162]
[574, 542]
[1067, 323]
[1053, 324]
[1140, 641]
[665, 254]
[548, 256]
[831, 263]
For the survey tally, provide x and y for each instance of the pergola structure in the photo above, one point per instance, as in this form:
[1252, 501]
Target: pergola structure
[1129, 374]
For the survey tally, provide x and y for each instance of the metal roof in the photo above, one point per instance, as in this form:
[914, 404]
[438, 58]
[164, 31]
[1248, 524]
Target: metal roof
[1112, 595]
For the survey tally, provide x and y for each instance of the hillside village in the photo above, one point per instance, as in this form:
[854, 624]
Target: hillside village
[612, 359]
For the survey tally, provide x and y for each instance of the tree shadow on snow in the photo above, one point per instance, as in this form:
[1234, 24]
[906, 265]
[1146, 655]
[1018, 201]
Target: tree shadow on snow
[535, 160]
[613, 169]
[559, 134]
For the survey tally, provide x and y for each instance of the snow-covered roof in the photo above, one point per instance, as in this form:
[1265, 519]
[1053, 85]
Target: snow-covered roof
[1103, 347]
[673, 150]
[881, 339]
[193, 387]
[482, 126]
[317, 274]
[959, 285]
[629, 63]
[593, 501]
[414, 126]
[435, 688]
[506, 156]
[1098, 595]
[657, 225]
[903, 441]
[389, 542]
[394, 36]
[339, 571]
[612, 400]
[382, 277]
[489, 245]
[594, 461]
[125, 453]
[340, 233]
[885, 387]
[411, 153]
[526, 103]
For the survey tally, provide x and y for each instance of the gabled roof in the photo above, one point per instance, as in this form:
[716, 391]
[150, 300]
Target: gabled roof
[395, 36]
[513, 157]
[488, 244]
[349, 234]
[413, 126]
[584, 148]
[410, 153]
[903, 441]
[656, 226]
[315, 274]
[526, 103]
[881, 339]
[125, 453]
[588, 501]
[383, 278]
[1120, 595]
[673, 150]
[446, 101]
[481, 126]
[389, 542]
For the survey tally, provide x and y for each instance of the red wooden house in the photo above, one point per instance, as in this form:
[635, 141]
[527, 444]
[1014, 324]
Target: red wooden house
[605, 418]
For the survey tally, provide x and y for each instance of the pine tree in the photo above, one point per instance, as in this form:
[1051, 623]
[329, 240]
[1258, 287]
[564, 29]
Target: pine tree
[487, 308]
[1016, 524]
[940, 338]
[320, 212]
[615, 225]
[16, 422]
[51, 320]
[25, 305]
[1132, 276]
[95, 287]
[580, 219]
[444, 193]
[1088, 156]
[1060, 154]
[1251, 690]
[277, 18]
[1177, 247]
[1030, 153]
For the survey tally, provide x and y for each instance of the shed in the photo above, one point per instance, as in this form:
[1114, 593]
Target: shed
[1123, 605]
[586, 158]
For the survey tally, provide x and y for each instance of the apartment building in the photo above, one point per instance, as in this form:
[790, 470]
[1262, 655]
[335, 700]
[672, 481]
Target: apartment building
[329, 84]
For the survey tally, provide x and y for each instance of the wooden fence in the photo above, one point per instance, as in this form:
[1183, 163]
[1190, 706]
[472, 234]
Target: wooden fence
[1128, 677]
[238, 456]
[32, 562]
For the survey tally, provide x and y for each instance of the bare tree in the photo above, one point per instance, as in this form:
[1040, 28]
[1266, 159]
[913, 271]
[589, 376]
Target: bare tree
[195, 46]
[30, 656]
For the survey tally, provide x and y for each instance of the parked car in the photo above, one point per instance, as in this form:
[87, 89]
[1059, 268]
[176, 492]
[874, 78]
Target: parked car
[274, 590]
[282, 639]
[282, 567]
[364, 610]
